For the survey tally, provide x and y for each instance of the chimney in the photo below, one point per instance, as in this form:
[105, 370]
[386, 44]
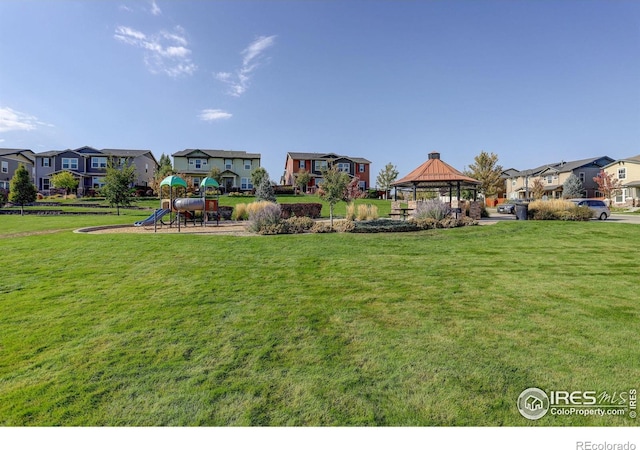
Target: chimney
[434, 155]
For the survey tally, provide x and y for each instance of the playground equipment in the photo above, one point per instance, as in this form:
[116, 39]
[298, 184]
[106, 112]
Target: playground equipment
[207, 204]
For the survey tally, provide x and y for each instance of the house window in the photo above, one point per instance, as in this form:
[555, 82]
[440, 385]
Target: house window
[228, 164]
[146, 168]
[5, 167]
[245, 183]
[98, 162]
[622, 173]
[549, 179]
[4, 185]
[196, 182]
[70, 163]
[344, 167]
[319, 165]
[46, 162]
[301, 164]
[582, 177]
[362, 185]
[46, 184]
[198, 163]
[97, 182]
[360, 167]
[319, 181]
[513, 182]
[247, 164]
[621, 196]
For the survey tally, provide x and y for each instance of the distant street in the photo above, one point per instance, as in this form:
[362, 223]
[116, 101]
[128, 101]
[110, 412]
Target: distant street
[617, 218]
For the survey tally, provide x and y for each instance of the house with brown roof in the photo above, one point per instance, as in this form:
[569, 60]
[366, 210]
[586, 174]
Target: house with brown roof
[10, 160]
[315, 163]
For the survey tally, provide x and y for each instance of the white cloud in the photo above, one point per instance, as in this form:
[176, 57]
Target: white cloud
[211, 115]
[252, 58]
[12, 120]
[155, 9]
[164, 52]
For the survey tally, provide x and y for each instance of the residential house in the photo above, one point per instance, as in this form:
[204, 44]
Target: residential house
[10, 160]
[628, 172]
[235, 166]
[89, 165]
[315, 163]
[519, 184]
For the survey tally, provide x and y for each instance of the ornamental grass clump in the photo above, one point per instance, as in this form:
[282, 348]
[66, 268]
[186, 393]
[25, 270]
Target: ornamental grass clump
[557, 209]
[367, 212]
[240, 212]
[264, 217]
[432, 209]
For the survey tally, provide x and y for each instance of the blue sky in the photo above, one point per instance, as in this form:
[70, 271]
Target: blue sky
[391, 81]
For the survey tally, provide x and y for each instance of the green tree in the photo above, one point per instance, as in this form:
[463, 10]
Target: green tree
[302, 180]
[117, 188]
[572, 188]
[258, 175]
[332, 189]
[488, 172]
[21, 189]
[165, 168]
[386, 177]
[64, 180]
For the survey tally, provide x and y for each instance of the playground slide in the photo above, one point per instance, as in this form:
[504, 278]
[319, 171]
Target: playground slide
[152, 218]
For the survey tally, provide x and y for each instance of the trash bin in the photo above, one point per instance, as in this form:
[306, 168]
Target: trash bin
[522, 209]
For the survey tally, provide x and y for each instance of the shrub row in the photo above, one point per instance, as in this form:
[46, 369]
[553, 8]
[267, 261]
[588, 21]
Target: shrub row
[311, 210]
[557, 210]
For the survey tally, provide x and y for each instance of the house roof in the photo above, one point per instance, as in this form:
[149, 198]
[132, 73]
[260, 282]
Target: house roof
[18, 151]
[219, 153]
[567, 166]
[631, 159]
[326, 156]
[434, 171]
[86, 150]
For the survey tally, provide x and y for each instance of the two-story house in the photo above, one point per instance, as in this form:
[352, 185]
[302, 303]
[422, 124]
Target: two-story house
[627, 171]
[315, 163]
[235, 166]
[519, 183]
[10, 160]
[89, 165]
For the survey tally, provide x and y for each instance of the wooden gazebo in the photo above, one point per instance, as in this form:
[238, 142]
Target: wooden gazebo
[436, 174]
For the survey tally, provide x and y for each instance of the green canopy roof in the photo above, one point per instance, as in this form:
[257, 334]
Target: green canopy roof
[209, 182]
[173, 180]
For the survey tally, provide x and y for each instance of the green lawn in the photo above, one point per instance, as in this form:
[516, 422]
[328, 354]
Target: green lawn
[443, 327]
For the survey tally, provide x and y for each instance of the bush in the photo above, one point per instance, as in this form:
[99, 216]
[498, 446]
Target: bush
[3, 197]
[344, 226]
[350, 213]
[426, 223]
[299, 224]
[240, 212]
[558, 210]
[283, 190]
[311, 210]
[322, 227]
[263, 217]
[431, 209]
[225, 212]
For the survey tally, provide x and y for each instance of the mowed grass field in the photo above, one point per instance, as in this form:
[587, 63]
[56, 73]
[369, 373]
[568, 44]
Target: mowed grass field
[442, 327]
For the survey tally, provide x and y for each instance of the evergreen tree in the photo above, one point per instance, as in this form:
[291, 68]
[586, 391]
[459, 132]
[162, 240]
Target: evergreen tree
[572, 188]
[264, 191]
[165, 168]
[21, 189]
[117, 188]
[386, 177]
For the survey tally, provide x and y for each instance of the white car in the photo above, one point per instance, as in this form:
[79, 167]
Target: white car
[597, 207]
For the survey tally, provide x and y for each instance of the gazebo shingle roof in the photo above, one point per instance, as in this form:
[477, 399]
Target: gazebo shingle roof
[434, 171]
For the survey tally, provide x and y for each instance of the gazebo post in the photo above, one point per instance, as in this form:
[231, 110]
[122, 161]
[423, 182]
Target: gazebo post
[458, 186]
[450, 194]
[415, 192]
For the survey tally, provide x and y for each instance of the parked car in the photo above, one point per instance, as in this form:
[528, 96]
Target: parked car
[507, 208]
[597, 207]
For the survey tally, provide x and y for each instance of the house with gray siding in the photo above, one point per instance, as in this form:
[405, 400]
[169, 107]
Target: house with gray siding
[10, 160]
[89, 166]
